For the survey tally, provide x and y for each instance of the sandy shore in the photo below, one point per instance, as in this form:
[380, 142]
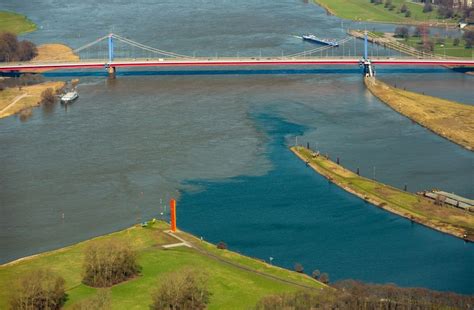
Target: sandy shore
[55, 52]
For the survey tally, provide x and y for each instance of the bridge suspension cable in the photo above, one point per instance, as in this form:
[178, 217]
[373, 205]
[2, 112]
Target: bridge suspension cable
[319, 49]
[77, 50]
[149, 48]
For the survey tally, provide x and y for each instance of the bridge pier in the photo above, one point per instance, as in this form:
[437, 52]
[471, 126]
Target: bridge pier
[365, 62]
[111, 71]
[369, 70]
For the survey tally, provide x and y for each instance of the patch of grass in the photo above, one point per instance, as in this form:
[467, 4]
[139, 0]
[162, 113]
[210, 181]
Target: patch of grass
[15, 23]
[363, 10]
[445, 49]
[231, 287]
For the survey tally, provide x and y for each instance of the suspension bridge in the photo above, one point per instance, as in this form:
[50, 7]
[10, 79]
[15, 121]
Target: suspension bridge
[155, 57]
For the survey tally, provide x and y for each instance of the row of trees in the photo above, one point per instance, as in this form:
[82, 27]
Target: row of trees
[428, 43]
[13, 50]
[356, 295]
[446, 8]
[390, 6]
[316, 274]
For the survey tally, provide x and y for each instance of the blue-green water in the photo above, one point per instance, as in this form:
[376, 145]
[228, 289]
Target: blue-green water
[296, 216]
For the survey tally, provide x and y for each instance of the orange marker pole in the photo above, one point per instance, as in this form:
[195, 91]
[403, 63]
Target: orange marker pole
[173, 214]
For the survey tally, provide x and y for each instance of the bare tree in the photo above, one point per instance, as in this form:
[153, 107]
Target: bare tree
[299, 268]
[183, 289]
[316, 273]
[39, 289]
[109, 262]
[324, 278]
[47, 96]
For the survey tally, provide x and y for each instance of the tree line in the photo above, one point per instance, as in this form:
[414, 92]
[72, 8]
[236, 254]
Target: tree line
[355, 295]
[11, 49]
[428, 44]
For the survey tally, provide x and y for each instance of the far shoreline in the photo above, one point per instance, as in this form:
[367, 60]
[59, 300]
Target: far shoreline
[411, 22]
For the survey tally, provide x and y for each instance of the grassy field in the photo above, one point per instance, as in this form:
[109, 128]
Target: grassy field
[445, 49]
[231, 287]
[15, 23]
[15, 100]
[363, 10]
[449, 119]
[419, 209]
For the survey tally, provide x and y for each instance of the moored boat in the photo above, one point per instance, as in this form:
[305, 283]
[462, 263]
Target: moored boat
[69, 97]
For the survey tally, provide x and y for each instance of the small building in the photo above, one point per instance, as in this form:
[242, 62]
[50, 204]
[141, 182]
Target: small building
[450, 199]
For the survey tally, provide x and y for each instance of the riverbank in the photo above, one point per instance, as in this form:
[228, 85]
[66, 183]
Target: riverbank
[445, 219]
[363, 10]
[451, 120]
[414, 46]
[14, 100]
[15, 23]
[235, 281]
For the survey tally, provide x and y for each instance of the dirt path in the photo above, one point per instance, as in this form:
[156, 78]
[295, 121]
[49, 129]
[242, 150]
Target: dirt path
[203, 251]
[17, 98]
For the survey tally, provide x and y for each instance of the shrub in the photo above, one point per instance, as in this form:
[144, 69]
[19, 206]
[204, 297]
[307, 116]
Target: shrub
[99, 302]
[360, 296]
[401, 32]
[299, 268]
[306, 299]
[407, 14]
[468, 36]
[222, 245]
[456, 41]
[428, 46]
[109, 262]
[404, 8]
[47, 96]
[420, 31]
[39, 289]
[427, 7]
[324, 278]
[316, 273]
[183, 289]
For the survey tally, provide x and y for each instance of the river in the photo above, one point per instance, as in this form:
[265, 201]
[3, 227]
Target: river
[218, 142]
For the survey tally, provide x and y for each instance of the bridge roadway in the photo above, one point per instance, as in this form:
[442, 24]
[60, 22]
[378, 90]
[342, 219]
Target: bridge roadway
[224, 62]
